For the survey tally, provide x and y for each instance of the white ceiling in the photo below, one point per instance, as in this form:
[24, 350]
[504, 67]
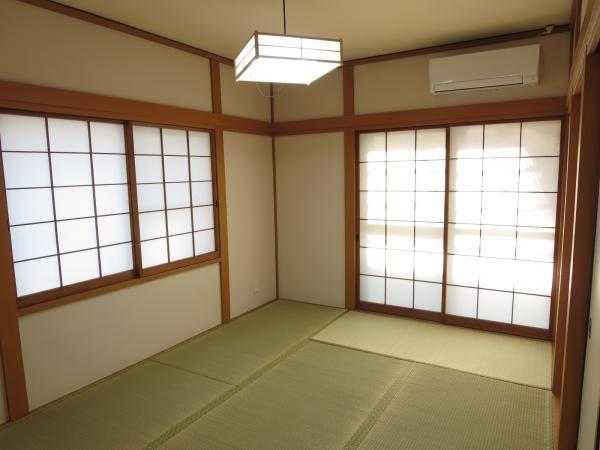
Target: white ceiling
[368, 27]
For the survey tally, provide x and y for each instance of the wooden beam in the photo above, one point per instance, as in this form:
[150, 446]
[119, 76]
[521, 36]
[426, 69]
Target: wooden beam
[587, 43]
[447, 115]
[274, 162]
[223, 241]
[348, 83]
[458, 45]
[584, 230]
[215, 86]
[10, 338]
[123, 28]
[215, 77]
[51, 100]
[575, 26]
[350, 201]
[565, 240]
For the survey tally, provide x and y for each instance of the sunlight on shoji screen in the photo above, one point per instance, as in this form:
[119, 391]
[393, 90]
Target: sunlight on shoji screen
[175, 193]
[502, 211]
[68, 202]
[402, 184]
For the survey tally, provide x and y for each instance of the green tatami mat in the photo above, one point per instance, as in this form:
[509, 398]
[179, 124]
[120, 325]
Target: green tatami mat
[439, 409]
[123, 412]
[233, 352]
[314, 399]
[509, 358]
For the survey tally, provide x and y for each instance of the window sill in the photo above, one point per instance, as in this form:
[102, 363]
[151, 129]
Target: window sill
[131, 280]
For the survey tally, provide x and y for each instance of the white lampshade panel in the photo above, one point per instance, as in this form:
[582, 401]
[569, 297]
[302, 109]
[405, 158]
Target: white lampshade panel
[275, 58]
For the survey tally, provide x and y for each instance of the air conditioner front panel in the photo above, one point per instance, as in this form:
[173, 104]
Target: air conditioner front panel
[515, 66]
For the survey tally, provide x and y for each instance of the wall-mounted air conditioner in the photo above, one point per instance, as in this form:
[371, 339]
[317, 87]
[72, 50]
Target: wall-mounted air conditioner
[516, 66]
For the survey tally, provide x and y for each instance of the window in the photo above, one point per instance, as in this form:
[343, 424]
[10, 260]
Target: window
[496, 261]
[174, 181]
[68, 198]
[68, 204]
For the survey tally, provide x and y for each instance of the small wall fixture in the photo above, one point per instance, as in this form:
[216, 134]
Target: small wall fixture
[281, 58]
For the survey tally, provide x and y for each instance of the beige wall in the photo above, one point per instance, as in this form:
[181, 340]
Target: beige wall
[310, 217]
[323, 98]
[82, 342]
[3, 406]
[590, 398]
[244, 99]
[45, 48]
[71, 346]
[250, 220]
[403, 84]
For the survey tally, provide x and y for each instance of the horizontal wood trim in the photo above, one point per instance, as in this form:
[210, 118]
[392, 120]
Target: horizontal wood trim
[478, 324]
[173, 265]
[399, 311]
[447, 115]
[29, 97]
[110, 288]
[459, 45]
[73, 289]
[123, 28]
[498, 327]
[588, 38]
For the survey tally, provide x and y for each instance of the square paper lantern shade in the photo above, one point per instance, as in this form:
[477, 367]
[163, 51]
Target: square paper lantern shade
[277, 58]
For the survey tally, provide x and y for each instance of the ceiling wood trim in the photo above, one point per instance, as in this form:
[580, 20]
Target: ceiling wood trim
[123, 28]
[133, 31]
[459, 45]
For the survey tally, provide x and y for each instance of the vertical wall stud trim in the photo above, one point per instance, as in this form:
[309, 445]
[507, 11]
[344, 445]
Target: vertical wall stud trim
[350, 197]
[274, 162]
[222, 211]
[584, 230]
[446, 209]
[348, 86]
[215, 86]
[565, 240]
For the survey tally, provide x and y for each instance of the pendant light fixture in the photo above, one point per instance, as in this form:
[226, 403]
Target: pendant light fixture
[281, 58]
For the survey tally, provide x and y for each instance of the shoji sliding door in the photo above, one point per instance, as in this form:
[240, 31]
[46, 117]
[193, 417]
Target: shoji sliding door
[502, 215]
[476, 249]
[402, 198]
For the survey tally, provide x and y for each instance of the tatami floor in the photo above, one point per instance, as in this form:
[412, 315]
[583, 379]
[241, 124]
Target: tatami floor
[292, 375]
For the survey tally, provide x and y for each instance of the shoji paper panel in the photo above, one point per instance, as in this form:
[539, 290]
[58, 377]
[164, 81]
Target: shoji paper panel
[175, 198]
[402, 201]
[66, 186]
[502, 213]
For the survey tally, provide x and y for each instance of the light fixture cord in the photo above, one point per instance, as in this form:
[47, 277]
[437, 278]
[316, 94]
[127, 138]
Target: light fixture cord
[284, 22]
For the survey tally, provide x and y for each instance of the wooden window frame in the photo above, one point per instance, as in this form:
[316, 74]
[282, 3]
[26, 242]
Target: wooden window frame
[130, 149]
[64, 294]
[481, 324]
